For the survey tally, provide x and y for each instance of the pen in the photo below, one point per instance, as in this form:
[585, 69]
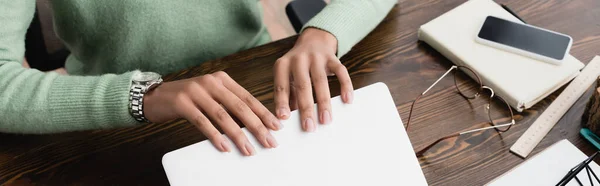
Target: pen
[511, 12]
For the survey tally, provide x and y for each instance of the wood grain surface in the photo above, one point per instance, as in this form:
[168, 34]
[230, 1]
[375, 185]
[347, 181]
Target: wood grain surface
[390, 54]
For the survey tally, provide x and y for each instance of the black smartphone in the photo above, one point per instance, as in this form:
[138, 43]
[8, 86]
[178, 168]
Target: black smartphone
[538, 43]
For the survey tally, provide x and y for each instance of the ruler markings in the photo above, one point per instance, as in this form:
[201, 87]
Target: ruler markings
[544, 123]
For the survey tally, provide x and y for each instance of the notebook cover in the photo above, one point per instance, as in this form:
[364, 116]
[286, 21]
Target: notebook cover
[544, 169]
[520, 80]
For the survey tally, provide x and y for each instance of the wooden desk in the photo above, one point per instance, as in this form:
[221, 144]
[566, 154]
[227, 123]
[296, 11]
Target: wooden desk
[391, 54]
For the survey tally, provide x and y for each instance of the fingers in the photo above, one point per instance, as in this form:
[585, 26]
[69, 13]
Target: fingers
[218, 114]
[239, 108]
[319, 79]
[250, 120]
[304, 95]
[231, 129]
[256, 106]
[194, 116]
[341, 72]
[282, 88]
[293, 100]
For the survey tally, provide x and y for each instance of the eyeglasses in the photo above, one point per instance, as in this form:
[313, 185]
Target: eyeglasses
[575, 170]
[497, 122]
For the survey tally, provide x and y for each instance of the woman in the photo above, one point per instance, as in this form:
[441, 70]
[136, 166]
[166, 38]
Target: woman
[116, 45]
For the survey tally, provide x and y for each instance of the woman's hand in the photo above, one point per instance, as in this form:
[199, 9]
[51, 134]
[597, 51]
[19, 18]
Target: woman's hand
[213, 96]
[311, 59]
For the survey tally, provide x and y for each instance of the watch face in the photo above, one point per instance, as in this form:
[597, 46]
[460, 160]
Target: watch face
[146, 76]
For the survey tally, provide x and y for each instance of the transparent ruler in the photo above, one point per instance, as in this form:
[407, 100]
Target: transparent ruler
[544, 123]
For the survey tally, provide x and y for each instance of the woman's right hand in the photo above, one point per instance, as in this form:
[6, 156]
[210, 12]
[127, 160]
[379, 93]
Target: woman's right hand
[213, 96]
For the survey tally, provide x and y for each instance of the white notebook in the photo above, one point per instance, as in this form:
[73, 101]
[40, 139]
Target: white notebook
[366, 144]
[520, 80]
[548, 167]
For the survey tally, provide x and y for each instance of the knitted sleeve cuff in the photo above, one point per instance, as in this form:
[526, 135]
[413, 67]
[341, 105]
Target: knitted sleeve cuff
[350, 20]
[90, 102]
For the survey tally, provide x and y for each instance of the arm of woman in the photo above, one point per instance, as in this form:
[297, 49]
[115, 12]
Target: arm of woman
[36, 102]
[324, 39]
[349, 21]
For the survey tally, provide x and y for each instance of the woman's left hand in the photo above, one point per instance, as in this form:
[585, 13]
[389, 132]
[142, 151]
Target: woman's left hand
[308, 64]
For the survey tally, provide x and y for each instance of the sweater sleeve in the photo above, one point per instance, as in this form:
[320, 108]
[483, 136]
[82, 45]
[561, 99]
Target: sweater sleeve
[36, 102]
[350, 20]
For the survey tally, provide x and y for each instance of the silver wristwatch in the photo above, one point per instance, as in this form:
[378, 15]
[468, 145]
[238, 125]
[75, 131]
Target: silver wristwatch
[141, 84]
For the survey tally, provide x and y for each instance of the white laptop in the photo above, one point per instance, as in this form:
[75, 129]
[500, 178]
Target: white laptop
[365, 144]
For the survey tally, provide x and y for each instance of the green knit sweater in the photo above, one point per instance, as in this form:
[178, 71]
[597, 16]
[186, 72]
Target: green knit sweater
[110, 40]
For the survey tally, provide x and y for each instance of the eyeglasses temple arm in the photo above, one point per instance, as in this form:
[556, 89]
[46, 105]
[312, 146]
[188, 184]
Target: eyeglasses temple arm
[434, 83]
[490, 127]
[422, 151]
[411, 111]
[439, 79]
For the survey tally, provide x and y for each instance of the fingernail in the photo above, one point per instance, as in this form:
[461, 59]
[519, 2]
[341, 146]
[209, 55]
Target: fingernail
[271, 141]
[350, 97]
[277, 124]
[225, 146]
[283, 113]
[249, 149]
[309, 125]
[326, 117]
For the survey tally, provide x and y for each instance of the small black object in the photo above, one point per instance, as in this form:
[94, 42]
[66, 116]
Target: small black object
[575, 170]
[301, 11]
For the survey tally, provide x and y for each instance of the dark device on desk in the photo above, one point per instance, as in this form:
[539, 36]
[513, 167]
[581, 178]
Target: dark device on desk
[301, 11]
[523, 39]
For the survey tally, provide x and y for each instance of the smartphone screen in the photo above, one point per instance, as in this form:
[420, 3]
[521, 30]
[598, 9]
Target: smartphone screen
[525, 37]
